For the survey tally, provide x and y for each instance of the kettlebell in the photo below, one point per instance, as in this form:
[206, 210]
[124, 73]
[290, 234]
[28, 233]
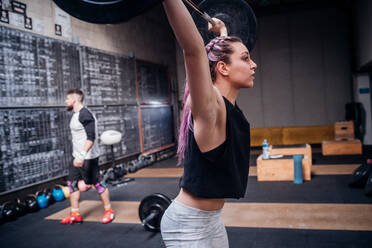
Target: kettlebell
[31, 204]
[21, 207]
[57, 194]
[66, 191]
[41, 199]
[49, 196]
[9, 211]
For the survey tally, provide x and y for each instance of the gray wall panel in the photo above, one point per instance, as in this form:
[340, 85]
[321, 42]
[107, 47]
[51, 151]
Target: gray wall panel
[337, 75]
[308, 69]
[250, 100]
[304, 75]
[276, 76]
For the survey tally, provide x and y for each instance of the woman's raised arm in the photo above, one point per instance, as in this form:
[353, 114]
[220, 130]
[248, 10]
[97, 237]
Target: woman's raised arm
[203, 97]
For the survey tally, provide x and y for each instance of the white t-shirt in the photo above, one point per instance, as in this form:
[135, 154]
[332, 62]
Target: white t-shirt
[83, 127]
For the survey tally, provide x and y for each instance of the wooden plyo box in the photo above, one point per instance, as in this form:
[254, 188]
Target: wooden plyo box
[304, 149]
[278, 169]
[333, 147]
[344, 130]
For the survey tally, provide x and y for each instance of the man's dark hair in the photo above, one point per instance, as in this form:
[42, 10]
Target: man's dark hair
[78, 92]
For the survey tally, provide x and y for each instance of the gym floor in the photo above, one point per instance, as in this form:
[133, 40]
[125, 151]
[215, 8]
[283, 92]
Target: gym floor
[323, 212]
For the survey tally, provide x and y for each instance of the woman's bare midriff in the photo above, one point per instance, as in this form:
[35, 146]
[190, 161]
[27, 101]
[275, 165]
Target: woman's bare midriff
[206, 204]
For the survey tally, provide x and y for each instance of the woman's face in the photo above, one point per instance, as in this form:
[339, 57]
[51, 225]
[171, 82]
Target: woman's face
[242, 67]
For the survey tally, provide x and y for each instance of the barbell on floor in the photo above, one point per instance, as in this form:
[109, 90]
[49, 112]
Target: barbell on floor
[151, 210]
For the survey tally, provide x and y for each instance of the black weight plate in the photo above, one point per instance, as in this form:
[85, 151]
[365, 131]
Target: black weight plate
[237, 15]
[360, 175]
[155, 202]
[105, 11]
[368, 187]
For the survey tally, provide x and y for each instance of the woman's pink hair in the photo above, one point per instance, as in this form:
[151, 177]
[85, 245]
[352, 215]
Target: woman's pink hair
[218, 49]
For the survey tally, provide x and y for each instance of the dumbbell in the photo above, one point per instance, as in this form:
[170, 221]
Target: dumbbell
[120, 171]
[151, 210]
[131, 166]
[110, 175]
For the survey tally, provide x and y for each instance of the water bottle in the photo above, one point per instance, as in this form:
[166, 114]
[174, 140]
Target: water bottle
[298, 169]
[265, 150]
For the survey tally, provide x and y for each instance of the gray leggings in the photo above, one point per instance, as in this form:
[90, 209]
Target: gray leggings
[184, 226]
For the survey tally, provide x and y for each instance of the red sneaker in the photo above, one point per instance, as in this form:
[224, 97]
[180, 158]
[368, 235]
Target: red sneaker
[108, 217]
[72, 218]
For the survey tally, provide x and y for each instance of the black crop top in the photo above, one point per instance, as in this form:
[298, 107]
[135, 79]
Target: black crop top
[223, 171]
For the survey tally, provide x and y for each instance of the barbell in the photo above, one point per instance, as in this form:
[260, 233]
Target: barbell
[237, 15]
[151, 210]
[106, 11]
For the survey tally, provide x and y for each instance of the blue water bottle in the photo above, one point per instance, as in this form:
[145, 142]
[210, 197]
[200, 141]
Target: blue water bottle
[298, 169]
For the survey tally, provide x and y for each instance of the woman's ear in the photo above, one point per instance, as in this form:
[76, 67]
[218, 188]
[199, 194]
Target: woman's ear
[222, 68]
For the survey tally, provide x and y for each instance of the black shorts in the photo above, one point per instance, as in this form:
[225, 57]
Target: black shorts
[89, 172]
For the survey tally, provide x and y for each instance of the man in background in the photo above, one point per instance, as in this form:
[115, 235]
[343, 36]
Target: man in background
[85, 167]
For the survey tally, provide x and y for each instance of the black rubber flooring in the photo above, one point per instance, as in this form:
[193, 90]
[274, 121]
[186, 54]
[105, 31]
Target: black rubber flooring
[32, 230]
[317, 158]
